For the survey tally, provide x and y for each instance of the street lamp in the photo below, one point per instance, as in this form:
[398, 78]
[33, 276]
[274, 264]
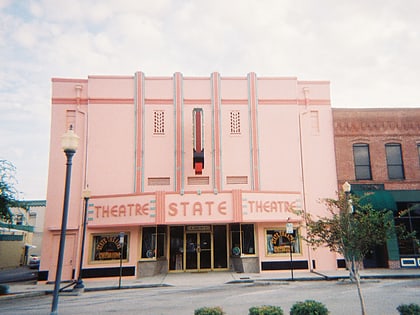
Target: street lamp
[347, 189]
[122, 234]
[69, 143]
[349, 204]
[289, 232]
[86, 196]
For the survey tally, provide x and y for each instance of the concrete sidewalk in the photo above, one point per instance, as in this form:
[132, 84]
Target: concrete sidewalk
[204, 279]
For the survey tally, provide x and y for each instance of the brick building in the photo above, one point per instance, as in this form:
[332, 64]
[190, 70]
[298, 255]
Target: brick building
[378, 150]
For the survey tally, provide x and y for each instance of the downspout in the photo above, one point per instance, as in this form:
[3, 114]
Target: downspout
[79, 89]
[302, 164]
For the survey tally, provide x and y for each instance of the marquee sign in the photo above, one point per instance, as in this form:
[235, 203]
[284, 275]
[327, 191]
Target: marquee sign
[193, 208]
[259, 207]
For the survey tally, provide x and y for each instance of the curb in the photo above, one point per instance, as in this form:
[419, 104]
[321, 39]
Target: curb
[12, 296]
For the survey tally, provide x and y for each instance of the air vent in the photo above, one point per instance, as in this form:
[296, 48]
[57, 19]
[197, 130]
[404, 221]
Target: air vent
[236, 180]
[198, 180]
[158, 181]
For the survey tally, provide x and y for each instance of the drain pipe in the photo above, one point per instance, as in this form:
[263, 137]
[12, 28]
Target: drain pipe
[305, 92]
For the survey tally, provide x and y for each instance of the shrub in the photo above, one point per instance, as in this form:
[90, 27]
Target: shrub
[265, 310]
[4, 289]
[409, 309]
[209, 311]
[309, 307]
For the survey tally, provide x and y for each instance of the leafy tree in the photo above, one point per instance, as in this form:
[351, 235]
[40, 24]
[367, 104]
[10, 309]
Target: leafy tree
[8, 192]
[352, 229]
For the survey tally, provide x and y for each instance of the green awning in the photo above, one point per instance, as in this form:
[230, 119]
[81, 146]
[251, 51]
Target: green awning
[379, 199]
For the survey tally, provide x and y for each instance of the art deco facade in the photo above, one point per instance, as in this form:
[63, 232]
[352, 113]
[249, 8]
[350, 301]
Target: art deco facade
[200, 173]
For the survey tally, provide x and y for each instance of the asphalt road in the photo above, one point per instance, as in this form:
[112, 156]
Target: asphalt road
[381, 298]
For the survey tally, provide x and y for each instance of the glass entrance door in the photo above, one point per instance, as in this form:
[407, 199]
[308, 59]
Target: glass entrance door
[198, 251]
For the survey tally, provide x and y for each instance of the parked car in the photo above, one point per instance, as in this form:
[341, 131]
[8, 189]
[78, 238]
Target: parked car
[34, 261]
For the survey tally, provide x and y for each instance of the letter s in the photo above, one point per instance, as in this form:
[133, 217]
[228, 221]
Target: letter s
[173, 210]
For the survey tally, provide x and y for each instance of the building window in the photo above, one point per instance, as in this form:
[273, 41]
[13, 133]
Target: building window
[235, 122]
[394, 161]
[153, 242]
[158, 122]
[418, 150]
[108, 247]
[243, 240]
[362, 161]
[409, 217]
[280, 242]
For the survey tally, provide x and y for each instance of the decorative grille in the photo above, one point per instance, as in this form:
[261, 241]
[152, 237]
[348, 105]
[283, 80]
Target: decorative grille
[235, 122]
[159, 122]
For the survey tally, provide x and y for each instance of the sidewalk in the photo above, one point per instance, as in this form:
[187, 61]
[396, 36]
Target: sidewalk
[204, 279]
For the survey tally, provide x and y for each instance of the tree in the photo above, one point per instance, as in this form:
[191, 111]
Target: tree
[8, 192]
[352, 229]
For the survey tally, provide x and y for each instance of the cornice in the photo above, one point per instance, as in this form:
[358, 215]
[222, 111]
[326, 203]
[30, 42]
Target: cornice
[371, 126]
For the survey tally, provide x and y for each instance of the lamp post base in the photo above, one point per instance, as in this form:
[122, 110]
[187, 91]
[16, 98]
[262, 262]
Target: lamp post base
[79, 287]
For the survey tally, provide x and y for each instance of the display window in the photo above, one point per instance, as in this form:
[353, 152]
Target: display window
[242, 239]
[153, 242]
[107, 247]
[279, 242]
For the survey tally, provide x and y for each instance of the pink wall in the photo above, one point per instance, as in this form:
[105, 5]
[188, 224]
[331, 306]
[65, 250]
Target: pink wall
[283, 153]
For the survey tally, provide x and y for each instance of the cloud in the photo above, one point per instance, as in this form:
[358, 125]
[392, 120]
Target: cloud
[367, 49]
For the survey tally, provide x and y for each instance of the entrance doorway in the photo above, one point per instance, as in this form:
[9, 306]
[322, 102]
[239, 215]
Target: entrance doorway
[198, 248]
[198, 251]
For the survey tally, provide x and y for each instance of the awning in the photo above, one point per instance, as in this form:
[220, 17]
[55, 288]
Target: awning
[379, 199]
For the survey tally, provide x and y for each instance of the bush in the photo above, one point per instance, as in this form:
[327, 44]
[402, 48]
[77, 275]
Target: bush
[4, 289]
[409, 309]
[309, 307]
[209, 311]
[265, 310]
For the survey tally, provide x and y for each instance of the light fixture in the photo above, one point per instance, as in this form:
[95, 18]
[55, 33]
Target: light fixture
[346, 187]
[69, 140]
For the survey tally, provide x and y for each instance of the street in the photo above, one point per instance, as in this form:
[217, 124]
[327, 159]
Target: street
[381, 298]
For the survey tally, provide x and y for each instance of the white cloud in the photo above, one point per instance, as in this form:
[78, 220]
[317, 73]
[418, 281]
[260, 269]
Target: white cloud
[367, 49]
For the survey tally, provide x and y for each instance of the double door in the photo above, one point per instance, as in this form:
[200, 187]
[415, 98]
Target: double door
[198, 251]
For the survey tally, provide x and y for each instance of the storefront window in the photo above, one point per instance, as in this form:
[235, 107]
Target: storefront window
[280, 242]
[108, 247]
[410, 219]
[242, 239]
[153, 242]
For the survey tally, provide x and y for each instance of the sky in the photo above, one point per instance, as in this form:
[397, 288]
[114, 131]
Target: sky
[368, 49]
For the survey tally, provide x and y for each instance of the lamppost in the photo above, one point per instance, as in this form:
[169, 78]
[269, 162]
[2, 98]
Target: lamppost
[347, 189]
[289, 232]
[122, 234]
[69, 143]
[349, 209]
[79, 284]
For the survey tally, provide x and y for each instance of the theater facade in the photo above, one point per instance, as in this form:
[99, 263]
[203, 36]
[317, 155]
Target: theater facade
[198, 173]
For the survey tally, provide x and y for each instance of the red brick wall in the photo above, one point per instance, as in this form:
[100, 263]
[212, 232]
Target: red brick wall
[377, 127]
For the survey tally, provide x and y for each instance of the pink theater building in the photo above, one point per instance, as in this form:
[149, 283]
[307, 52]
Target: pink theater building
[200, 173]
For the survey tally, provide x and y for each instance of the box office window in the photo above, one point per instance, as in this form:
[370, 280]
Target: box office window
[280, 242]
[107, 247]
[153, 242]
[242, 239]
